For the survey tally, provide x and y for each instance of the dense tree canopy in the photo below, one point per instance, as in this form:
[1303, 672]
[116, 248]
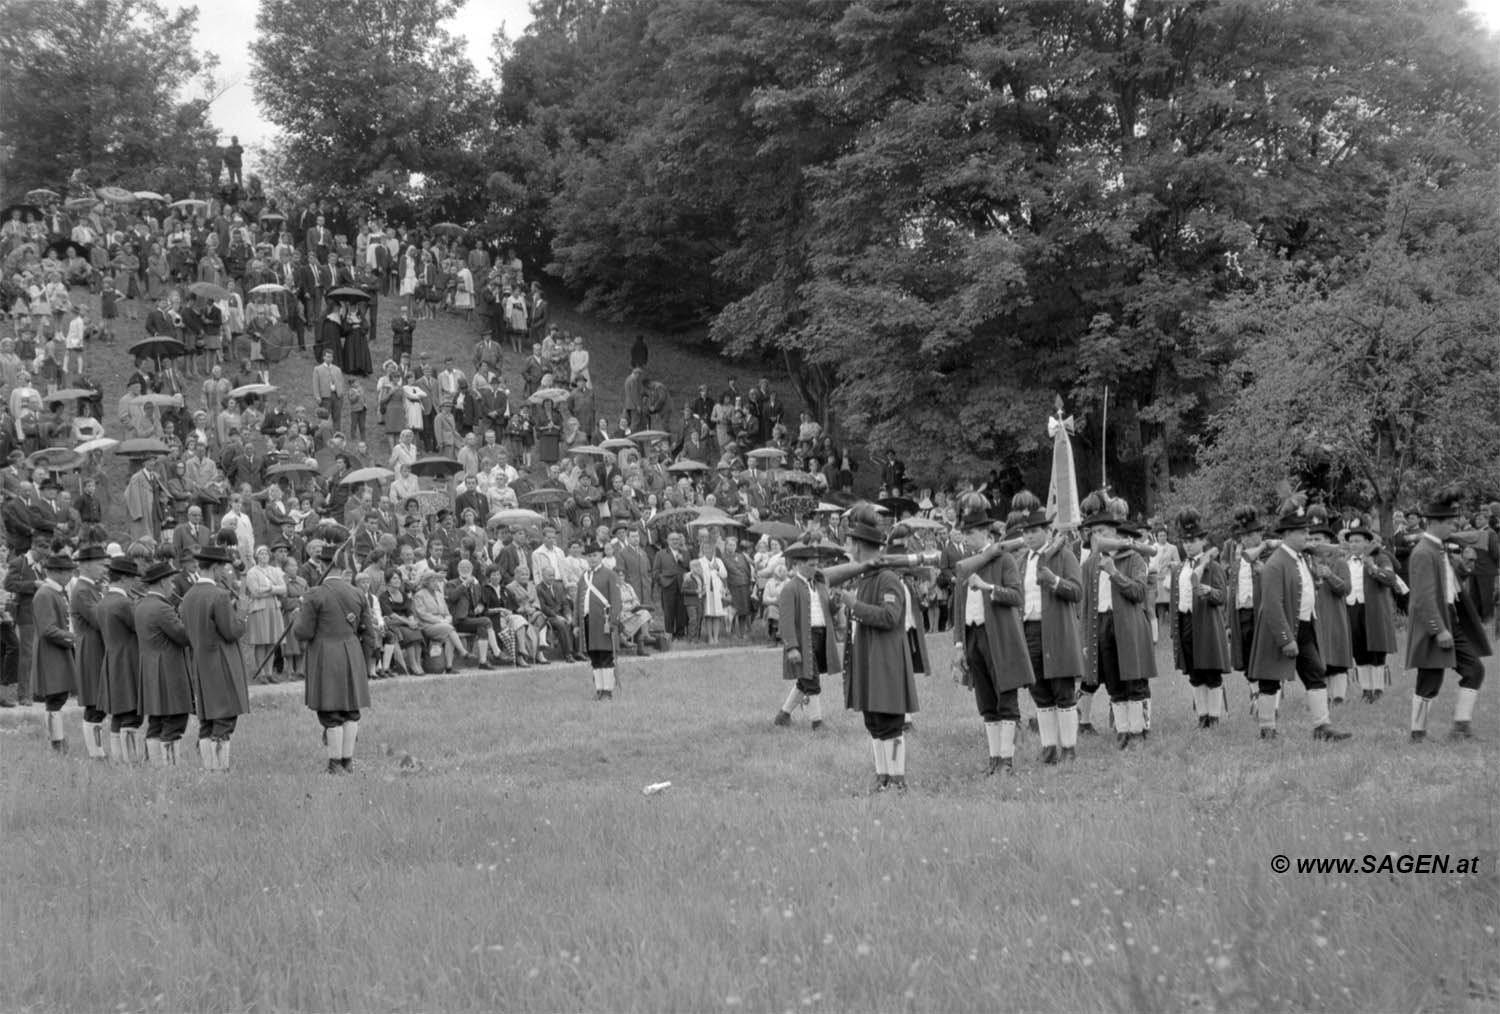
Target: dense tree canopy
[376, 100]
[941, 215]
[97, 85]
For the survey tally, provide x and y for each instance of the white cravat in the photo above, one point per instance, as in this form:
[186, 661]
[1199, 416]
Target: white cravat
[1033, 588]
[1185, 587]
[1305, 594]
[1245, 585]
[815, 605]
[1105, 595]
[974, 608]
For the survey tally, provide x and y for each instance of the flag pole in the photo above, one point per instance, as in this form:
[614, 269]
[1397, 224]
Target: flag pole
[1103, 442]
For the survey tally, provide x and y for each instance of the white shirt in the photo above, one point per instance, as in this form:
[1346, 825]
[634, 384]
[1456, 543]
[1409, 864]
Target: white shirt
[75, 334]
[974, 608]
[1032, 588]
[815, 607]
[1450, 579]
[1305, 594]
[911, 609]
[1185, 587]
[1106, 593]
[1356, 594]
[553, 556]
[1245, 586]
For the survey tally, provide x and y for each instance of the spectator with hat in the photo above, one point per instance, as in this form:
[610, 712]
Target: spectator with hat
[53, 650]
[166, 690]
[122, 689]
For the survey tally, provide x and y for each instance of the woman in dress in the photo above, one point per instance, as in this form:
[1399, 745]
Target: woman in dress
[291, 648]
[548, 434]
[405, 485]
[430, 607]
[405, 644]
[266, 586]
[463, 293]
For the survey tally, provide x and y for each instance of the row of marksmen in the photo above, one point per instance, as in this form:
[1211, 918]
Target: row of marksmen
[1313, 602]
[145, 646]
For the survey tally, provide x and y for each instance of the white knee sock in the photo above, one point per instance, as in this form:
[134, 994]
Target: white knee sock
[1145, 715]
[1200, 701]
[1137, 713]
[992, 737]
[1120, 712]
[1215, 700]
[1317, 705]
[882, 764]
[351, 733]
[1266, 705]
[815, 707]
[896, 765]
[609, 679]
[793, 700]
[1419, 709]
[1067, 727]
[1463, 708]
[1338, 685]
[1007, 738]
[1085, 707]
[333, 740]
[1046, 723]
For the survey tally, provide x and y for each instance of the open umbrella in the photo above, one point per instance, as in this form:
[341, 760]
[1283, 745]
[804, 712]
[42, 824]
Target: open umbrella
[844, 500]
[792, 477]
[776, 530]
[618, 444]
[828, 508]
[97, 444]
[436, 467]
[56, 459]
[69, 394]
[116, 195]
[673, 514]
[293, 468]
[348, 292]
[208, 290]
[156, 348]
[646, 436]
[449, 229]
[244, 389]
[374, 473]
[548, 394]
[272, 216]
[269, 289]
[547, 494]
[928, 523]
[687, 465]
[80, 203]
[587, 449]
[42, 195]
[140, 447]
[767, 454]
[516, 516]
[148, 195]
[161, 400]
[719, 520]
[898, 505]
[188, 204]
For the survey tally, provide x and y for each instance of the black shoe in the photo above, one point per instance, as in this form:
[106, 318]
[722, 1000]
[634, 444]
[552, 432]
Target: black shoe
[1143, 735]
[1335, 700]
[1461, 730]
[598, 695]
[347, 763]
[7, 704]
[487, 666]
[1210, 721]
[1069, 754]
[817, 725]
[1328, 734]
[1367, 696]
[1087, 729]
[1049, 755]
[1377, 695]
[1123, 739]
[609, 695]
[1268, 734]
[782, 718]
[1032, 726]
[908, 726]
[335, 767]
[1418, 736]
[882, 782]
[60, 746]
[898, 782]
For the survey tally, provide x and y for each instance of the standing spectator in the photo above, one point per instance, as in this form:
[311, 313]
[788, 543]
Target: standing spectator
[639, 354]
[329, 386]
[234, 157]
[635, 400]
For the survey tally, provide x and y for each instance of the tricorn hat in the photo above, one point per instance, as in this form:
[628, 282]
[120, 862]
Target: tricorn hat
[210, 555]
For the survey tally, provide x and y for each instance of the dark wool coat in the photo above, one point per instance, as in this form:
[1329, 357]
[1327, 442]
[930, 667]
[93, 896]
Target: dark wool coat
[877, 666]
[88, 643]
[333, 622]
[1335, 644]
[1132, 618]
[53, 658]
[122, 657]
[1210, 637]
[795, 605]
[1276, 619]
[598, 621]
[1062, 641]
[1379, 606]
[217, 664]
[165, 686]
[1003, 631]
[1238, 649]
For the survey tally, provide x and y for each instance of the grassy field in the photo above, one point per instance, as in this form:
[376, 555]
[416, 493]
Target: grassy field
[513, 863]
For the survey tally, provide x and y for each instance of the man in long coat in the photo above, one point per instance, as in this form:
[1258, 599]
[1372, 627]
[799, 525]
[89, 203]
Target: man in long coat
[1331, 574]
[214, 628]
[166, 690]
[1051, 587]
[122, 684]
[53, 649]
[1118, 650]
[597, 613]
[1286, 639]
[334, 623]
[989, 634]
[877, 666]
[89, 647]
[1244, 556]
[667, 571]
[1443, 635]
[1197, 594]
[809, 647]
[1372, 607]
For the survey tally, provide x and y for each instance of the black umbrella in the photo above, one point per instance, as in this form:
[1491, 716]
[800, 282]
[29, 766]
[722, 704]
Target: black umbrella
[899, 505]
[348, 292]
[156, 348]
[436, 467]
